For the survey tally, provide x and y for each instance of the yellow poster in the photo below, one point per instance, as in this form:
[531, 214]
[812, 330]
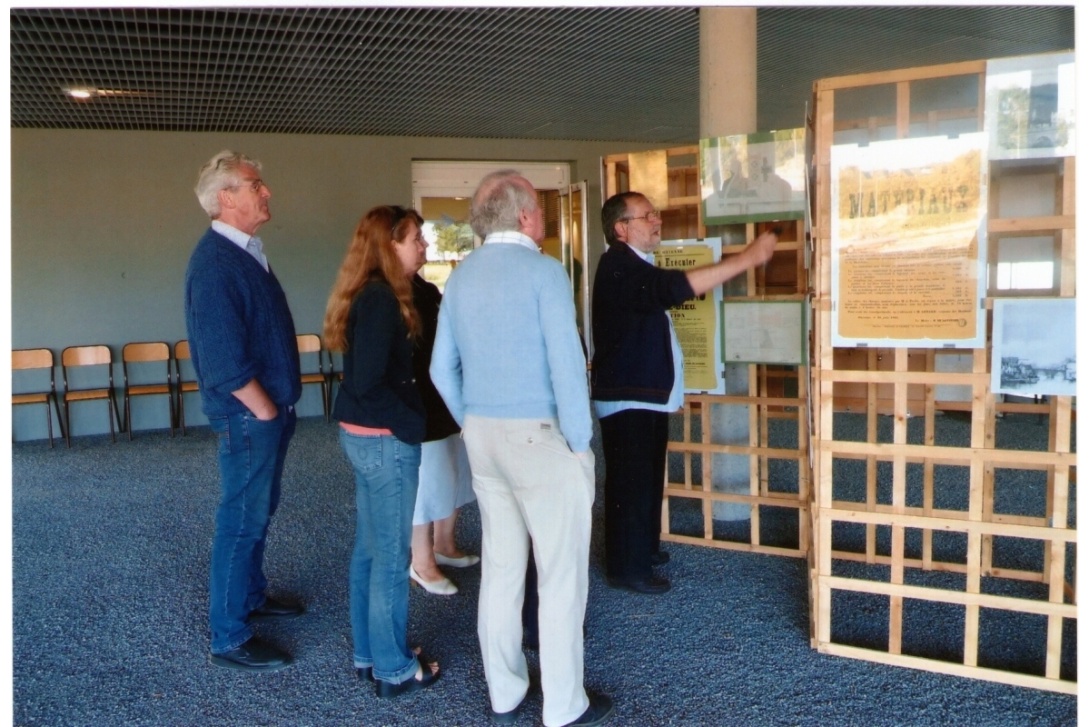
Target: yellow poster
[907, 228]
[695, 321]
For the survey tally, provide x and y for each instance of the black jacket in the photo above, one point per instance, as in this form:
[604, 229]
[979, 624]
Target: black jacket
[632, 354]
[378, 389]
[426, 298]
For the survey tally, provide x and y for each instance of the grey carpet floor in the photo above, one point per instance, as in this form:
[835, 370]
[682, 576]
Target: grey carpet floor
[110, 557]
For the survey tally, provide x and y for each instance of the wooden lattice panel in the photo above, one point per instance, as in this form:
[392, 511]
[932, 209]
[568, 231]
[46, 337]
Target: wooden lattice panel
[911, 526]
[778, 494]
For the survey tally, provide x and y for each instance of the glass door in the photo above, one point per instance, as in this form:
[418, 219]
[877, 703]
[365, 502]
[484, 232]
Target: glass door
[450, 238]
[574, 253]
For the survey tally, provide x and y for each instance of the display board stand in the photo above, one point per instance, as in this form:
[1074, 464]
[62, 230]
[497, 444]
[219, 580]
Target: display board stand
[923, 535]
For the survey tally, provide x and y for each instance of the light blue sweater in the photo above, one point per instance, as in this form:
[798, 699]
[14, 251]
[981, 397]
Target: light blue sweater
[507, 346]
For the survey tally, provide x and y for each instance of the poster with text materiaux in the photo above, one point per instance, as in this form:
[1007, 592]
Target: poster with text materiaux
[908, 227]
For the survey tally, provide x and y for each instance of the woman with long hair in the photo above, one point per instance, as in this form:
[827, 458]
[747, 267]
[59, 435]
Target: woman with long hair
[371, 319]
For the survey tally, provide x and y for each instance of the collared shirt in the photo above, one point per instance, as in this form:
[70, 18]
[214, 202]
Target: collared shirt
[512, 236]
[243, 240]
[677, 391]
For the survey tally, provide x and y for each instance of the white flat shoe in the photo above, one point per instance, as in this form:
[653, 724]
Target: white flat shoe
[464, 562]
[441, 587]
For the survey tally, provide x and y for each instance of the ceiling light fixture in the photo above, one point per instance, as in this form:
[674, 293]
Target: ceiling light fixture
[83, 93]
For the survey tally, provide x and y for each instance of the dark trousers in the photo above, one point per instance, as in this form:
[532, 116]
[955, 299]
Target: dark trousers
[634, 442]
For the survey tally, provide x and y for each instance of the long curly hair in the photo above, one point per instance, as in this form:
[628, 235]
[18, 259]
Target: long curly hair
[371, 256]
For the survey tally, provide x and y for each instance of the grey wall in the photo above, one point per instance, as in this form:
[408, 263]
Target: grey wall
[103, 222]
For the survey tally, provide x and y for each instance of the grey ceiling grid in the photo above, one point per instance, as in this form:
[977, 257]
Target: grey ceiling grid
[610, 74]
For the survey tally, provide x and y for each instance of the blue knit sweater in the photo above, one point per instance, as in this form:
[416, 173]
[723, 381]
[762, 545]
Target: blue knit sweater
[239, 327]
[507, 346]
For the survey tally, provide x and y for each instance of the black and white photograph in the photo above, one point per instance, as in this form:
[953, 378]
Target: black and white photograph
[1033, 351]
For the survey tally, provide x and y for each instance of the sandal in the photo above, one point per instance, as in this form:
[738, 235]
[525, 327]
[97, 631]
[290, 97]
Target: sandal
[423, 679]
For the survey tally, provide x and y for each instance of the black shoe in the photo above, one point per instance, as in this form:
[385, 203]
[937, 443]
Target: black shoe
[601, 707]
[660, 557]
[412, 684]
[363, 673]
[254, 655]
[650, 584]
[508, 717]
[273, 609]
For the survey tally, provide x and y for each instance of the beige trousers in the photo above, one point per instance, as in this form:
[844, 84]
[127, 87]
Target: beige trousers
[530, 486]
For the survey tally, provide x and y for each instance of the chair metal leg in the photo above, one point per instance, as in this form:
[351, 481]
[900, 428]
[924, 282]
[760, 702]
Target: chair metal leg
[116, 415]
[181, 412]
[128, 417]
[68, 418]
[60, 422]
[49, 423]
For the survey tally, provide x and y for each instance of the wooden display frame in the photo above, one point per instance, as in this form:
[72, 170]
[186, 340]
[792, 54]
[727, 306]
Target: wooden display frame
[902, 383]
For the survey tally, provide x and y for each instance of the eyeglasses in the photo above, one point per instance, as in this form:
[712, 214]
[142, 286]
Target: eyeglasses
[653, 214]
[254, 185]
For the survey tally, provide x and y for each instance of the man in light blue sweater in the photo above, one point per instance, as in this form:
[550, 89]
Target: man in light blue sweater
[510, 366]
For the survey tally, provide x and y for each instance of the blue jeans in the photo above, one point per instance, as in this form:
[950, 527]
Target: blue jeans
[251, 461]
[387, 473]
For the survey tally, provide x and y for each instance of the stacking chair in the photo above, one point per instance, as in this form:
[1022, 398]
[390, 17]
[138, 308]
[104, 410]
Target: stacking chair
[183, 386]
[310, 349]
[36, 359]
[75, 357]
[146, 357]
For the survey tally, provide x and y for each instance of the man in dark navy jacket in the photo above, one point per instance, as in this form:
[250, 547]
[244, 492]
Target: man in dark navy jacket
[636, 376]
[242, 340]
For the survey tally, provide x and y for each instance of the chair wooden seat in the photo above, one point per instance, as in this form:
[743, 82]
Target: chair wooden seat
[87, 394]
[42, 398]
[143, 389]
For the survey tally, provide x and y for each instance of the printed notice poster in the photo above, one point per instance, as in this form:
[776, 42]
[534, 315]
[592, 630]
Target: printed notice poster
[1029, 106]
[696, 321]
[753, 177]
[907, 231]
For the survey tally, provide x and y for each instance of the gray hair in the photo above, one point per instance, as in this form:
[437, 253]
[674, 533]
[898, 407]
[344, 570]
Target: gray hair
[497, 203]
[220, 172]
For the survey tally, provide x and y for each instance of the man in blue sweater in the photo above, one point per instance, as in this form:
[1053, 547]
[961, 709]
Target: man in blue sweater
[637, 376]
[242, 340]
[509, 364]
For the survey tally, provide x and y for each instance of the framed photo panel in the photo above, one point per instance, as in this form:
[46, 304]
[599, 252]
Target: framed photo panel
[1033, 346]
[753, 177]
[765, 331]
[1029, 106]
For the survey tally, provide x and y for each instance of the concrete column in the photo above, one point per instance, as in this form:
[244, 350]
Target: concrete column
[728, 106]
[728, 71]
